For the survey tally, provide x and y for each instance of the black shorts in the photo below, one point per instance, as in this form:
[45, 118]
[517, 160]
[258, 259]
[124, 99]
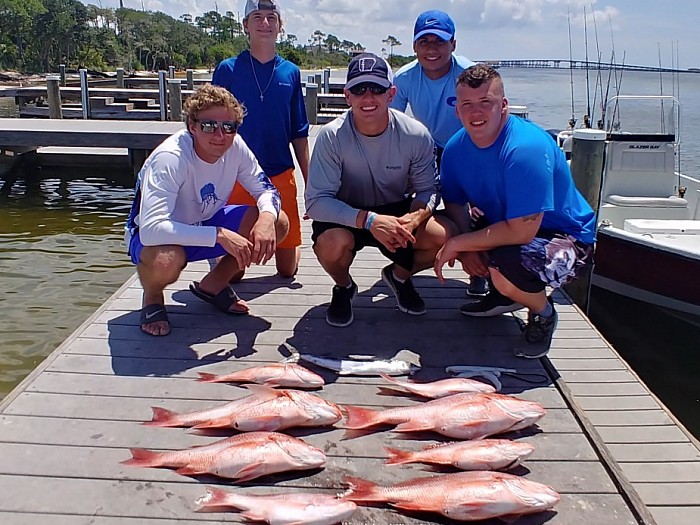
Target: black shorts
[402, 256]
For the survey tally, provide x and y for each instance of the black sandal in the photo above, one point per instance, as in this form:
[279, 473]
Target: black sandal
[153, 313]
[221, 301]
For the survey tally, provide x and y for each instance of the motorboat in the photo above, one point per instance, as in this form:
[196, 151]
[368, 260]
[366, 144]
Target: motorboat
[648, 235]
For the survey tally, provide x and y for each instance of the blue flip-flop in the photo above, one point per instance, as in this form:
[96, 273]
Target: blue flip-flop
[221, 301]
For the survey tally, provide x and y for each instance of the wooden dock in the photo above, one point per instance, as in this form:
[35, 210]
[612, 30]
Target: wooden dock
[606, 444]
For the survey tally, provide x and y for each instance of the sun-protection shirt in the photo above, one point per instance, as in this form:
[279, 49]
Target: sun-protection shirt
[272, 123]
[350, 171]
[431, 101]
[176, 191]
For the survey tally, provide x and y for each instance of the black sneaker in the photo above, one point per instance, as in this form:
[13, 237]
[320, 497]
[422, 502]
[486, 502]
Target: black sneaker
[339, 312]
[407, 298]
[478, 286]
[537, 335]
[492, 304]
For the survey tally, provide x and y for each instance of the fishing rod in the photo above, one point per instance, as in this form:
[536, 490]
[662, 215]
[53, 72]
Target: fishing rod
[610, 72]
[599, 80]
[618, 87]
[572, 120]
[586, 117]
[661, 88]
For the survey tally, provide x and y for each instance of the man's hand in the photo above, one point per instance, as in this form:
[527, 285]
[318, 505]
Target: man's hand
[410, 221]
[445, 255]
[474, 263]
[236, 245]
[389, 231]
[264, 238]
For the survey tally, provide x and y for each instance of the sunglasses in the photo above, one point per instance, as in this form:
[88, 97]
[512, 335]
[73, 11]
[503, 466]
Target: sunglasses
[229, 127]
[361, 89]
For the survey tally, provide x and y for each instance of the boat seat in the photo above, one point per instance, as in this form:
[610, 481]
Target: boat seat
[672, 227]
[650, 202]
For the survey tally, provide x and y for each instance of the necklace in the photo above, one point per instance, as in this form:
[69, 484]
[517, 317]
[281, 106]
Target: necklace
[255, 76]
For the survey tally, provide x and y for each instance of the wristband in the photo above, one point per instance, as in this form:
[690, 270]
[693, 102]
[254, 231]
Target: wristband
[370, 219]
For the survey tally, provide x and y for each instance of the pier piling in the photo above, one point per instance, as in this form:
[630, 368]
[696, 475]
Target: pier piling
[53, 92]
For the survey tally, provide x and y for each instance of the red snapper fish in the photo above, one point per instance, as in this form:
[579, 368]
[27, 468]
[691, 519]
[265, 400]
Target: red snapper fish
[464, 496]
[244, 460]
[279, 409]
[286, 375]
[459, 416]
[266, 409]
[487, 454]
[281, 509]
[441, 388]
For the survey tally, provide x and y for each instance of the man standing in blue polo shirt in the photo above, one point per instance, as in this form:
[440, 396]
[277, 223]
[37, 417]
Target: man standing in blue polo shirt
[270, 89]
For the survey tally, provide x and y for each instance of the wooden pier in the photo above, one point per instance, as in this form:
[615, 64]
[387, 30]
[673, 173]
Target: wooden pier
[606, 444]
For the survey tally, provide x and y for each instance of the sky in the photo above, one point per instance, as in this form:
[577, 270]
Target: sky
[645, 32]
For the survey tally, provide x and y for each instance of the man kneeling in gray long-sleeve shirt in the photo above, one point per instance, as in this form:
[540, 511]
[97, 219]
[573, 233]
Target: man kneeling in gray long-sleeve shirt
[372, 182]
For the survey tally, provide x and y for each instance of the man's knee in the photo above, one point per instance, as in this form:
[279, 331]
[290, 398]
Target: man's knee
[282, 226]
[332, 244]
[165, 262]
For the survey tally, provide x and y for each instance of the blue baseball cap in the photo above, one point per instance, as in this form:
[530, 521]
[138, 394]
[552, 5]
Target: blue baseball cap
[434, 22]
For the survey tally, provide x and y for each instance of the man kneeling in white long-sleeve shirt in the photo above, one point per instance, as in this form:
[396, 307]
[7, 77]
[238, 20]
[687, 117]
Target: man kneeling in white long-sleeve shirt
[180, 214]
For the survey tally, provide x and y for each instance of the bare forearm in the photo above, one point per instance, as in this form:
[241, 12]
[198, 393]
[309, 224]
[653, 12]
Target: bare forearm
[505, 233]
[301, 152]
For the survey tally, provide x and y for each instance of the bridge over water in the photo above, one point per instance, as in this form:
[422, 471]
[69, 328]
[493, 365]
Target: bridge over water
[581, 64]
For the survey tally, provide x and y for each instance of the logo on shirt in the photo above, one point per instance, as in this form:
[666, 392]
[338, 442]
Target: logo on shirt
[451, 101]
[208, 195]
[393, 167]
[286, 84]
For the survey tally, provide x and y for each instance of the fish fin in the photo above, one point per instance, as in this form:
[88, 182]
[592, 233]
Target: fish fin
[360, 490]
[222, 422]
[262, 424]
[358, 417]
[408, 505]
[264, 393]
[510, 518]
[253, 515]
[190, 471]
[162, 417]
[414, 426]
[388, 391]
[250, 471]
[214, 499]
[142, 457]
[398, 457]
[205, 377]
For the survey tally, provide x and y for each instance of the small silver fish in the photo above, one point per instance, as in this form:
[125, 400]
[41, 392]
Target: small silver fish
[363, 365]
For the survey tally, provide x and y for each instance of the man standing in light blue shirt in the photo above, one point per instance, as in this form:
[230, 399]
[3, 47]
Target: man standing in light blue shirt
[427, 84]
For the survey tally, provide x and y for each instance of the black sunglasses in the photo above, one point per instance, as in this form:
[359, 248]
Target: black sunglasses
[361, 89]
[229, 127]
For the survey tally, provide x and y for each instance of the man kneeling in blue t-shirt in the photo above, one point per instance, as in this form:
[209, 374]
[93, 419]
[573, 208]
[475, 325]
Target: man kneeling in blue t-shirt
[537, 228]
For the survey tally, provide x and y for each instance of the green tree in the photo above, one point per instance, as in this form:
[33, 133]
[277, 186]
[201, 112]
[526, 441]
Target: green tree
[392, 42]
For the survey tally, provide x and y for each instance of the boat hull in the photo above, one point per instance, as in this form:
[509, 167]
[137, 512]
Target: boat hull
[635, 267]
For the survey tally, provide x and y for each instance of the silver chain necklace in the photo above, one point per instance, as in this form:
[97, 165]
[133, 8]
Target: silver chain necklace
[252, 66]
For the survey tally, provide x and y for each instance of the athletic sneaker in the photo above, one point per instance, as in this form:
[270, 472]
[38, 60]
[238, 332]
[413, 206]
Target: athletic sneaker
[407, 298]
[339, 312]
[478, 286]
[537, 335]
[492, 304]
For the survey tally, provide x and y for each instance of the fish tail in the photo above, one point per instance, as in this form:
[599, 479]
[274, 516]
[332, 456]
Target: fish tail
[214, 499]
[162, 417]
[398, 457]
[143, 458]
[361, 490]
[205, 377]
[357, 417]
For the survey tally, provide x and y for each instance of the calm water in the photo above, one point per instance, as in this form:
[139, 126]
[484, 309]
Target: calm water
[62, 255]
